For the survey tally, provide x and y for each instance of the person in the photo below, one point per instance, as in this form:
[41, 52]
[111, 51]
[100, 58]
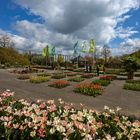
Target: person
[97, 70]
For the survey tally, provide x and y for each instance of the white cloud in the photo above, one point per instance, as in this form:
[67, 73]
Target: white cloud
[124, 33]
[127, 47]
[66, 21]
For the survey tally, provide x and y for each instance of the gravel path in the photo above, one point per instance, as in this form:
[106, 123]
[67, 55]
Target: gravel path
[113, 95]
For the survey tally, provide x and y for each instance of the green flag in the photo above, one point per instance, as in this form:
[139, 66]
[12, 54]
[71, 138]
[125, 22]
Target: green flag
[75, 48]
[84, 47]
[53, 50]
[44, 52]
[92, 46]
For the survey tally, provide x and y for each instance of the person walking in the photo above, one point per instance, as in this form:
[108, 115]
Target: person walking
[97, 70]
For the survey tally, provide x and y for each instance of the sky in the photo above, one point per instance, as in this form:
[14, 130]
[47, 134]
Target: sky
[32, 24]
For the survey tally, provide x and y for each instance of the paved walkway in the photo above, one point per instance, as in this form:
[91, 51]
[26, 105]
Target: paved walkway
[113, 95]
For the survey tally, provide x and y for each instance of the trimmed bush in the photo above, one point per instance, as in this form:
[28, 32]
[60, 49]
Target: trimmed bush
[39, 79]
[60, 84]
[132, 86]
[23, 77]
[88, 89]
[101, 82]
[76, 79]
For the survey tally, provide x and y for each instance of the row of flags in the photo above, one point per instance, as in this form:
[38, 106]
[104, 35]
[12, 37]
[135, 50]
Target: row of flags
[50, 50]
[84, 47]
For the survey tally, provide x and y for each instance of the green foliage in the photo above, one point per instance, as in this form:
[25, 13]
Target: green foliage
[76, 79]
[130, 64]
[58, 76]
[132, 86]
[10, 56]
[133, 81]
[101, 82]
[44, 74]
[39, 79]
[113, 71]
[88, 89]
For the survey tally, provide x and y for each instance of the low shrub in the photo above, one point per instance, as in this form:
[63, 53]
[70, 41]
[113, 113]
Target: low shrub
[87, 75]
[59, 84]
[133, 81]
[39, 79]
[89, 89]
[76, 79]
[132, 86]
[23, 77]
[58, 76]
[101, 82]
[23, 120]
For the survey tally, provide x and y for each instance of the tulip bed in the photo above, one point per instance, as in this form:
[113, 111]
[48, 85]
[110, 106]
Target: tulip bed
[89, 75]
[39, 79]
[76, 79]
[101, 82]
[21, 120]
[58, 76]
[60, 84]
[23, 77]
[90, 89]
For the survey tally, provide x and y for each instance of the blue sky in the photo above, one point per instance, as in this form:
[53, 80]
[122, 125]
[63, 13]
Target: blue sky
[33, 24]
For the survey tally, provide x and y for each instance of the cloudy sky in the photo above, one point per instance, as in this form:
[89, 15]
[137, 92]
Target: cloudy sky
[33, 23]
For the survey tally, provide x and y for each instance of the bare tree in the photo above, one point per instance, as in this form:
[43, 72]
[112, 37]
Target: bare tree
[5, 41]
[106, 52]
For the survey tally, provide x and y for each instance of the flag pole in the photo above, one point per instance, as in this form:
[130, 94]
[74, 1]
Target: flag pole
[46, 55]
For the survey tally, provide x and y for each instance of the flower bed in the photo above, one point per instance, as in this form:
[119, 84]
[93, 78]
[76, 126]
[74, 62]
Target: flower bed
[20, 119]
[44, 74]
[106, 77]
[76, 79]
[133, 81]
[23, 77]
[39, 79]
[59, 84]
[132, 86]
[71, 74]
[89, 75]
[58, 76]
[89, 89]
[101, 82]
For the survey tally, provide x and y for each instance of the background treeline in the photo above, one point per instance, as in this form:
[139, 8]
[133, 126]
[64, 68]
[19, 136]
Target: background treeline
[9, 56]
